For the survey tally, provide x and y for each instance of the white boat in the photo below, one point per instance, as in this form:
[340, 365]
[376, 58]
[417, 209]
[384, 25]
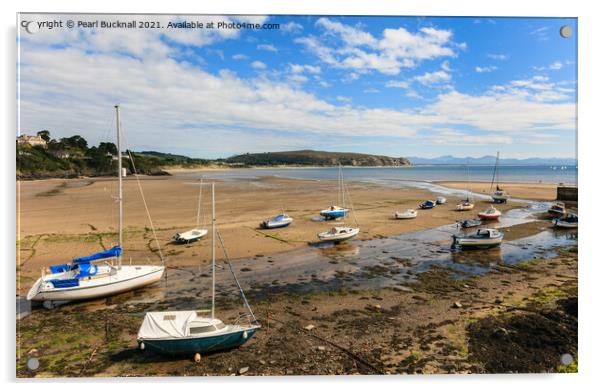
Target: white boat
[190, 332]
[557, 210]
[338, 234]
[490, 214]
[484, 238]
[441, 200]
[499, 196]
[83, 279]
[335, 212]
[195, 233]
[280, 221]
[570, 221]
[407, 214]
[465, 205]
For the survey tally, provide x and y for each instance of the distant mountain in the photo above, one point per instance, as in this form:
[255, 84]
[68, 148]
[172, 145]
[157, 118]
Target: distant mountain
[490, 160]
[316, 158]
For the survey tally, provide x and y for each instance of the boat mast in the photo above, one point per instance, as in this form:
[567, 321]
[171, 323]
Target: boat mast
[213, 250]
[120, 181]
[198, 212]
[495, 172]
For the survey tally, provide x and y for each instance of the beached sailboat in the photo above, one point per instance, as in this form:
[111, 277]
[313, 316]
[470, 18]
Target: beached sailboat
[466, 204]
[499, 196]
[569, 221]
[190, 332]
[334, 211]
[83, 279]
[471, 223]
[428, 204]
[280, 221]
[557, 210]
[407, 214]
[484, 238]
[195, 233]
[490, 214]
[341, 231]
[441, 200]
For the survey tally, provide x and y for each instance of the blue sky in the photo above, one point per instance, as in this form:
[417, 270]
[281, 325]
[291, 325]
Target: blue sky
[400, 86]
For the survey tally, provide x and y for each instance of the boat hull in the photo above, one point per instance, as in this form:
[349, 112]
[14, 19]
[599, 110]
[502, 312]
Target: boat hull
[192, 345]
[96, 288]
[489, 217]
[499, 200]
[275, 224]
[467, 243]
[336, 214]
[327, 237]
[564, 224]
[462, 207]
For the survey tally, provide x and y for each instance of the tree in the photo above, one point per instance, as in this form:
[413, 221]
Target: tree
[76, 141]
[44, 134]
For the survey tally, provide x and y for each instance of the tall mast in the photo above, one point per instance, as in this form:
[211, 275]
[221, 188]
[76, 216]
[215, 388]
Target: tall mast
[198, 212]
[120, 181]
[213, 250]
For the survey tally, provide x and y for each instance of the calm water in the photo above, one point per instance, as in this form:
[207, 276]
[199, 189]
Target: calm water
[392, 175]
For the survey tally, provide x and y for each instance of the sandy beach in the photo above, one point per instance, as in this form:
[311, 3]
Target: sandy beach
[61, 219]
[527, 191]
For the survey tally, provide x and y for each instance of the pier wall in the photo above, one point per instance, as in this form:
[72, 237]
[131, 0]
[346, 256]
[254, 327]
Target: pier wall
[567, 193]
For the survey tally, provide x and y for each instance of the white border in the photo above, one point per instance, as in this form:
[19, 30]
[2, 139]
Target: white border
[590, 66]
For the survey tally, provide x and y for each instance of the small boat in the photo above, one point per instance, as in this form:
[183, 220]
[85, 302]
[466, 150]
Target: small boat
[338, 234]
[441, 200]
[499, 196]
[407, 214]
[190, 236]
[471, 223]
[334, 212]
[490, 214]
[569, 221]
[83, 279]
[484, 238]
[428, 204]
[557, 210]
[280, 221]
[195, 233]
[465, 205]
[189, 332]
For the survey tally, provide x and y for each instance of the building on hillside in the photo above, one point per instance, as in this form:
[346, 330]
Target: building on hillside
[31, 140]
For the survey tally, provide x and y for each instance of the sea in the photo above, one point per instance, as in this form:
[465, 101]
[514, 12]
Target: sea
[421, 173]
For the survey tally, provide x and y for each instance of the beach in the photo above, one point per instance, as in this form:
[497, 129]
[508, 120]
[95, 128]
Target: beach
[527, 191]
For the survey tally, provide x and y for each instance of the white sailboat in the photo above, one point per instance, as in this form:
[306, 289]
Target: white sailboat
[83, 279]
[466, 204]
[335, 212]
[195, 233]
[499, 196]
[190, 332]
[340, 231]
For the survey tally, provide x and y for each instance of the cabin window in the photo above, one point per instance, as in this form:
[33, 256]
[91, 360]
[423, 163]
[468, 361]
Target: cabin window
[220, 325]
[201, 329]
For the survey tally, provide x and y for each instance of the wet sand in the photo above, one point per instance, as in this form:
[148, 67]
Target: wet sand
[61, 219]
[527, 191]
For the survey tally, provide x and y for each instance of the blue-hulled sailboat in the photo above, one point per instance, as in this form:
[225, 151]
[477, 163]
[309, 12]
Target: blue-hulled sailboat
[190, 332]
[83, 279]
[279, 221]
[337, 212]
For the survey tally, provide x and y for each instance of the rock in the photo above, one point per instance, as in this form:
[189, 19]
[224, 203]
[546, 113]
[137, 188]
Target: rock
[457, 304]
[309, 327]
[243, 370]
[466, 286]
[498, 301]
[33, 352]
[321, 348]
[272, 362]
[197, 358]
[262, 362]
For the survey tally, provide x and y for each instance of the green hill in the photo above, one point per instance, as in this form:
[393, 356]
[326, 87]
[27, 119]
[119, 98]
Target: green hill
[316, 158]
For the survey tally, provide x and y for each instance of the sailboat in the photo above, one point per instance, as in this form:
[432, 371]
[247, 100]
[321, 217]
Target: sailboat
[499, 196]
[466, 204]
[195, 233]
[190, 332]
[83, 279]
[340, 232]
[483, 238]
[336, 212]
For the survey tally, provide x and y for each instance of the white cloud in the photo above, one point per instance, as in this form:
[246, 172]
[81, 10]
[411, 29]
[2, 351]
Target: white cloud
[497, 56]
[486, 69]
[555, 66]
[362, 52]
[267, 47]
[430, 78]
[291, 27]
[397, 84]
[239, 57]
[258, 65]
[297, 68]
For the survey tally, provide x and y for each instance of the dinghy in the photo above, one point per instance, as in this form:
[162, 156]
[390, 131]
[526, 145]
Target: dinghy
[280, 221]
[195, 233]
[83, 279]
[441, 200]
[557, 210]
[465, 205]
[568, 222]
[490, 214]
[190, 332]
[484, 238]
[471, 223]
[335, 212]
[428, 204]
[499, 196]
[338, 234]
[407, 214]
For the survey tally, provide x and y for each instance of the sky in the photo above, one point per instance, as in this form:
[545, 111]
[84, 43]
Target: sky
[396, 86]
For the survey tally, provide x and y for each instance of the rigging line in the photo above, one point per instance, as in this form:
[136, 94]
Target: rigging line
[346, 189]
[146, 206]
[227, 262]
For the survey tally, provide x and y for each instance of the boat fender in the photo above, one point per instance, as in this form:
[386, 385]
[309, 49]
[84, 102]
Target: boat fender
[142, 346]
[245, 335]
